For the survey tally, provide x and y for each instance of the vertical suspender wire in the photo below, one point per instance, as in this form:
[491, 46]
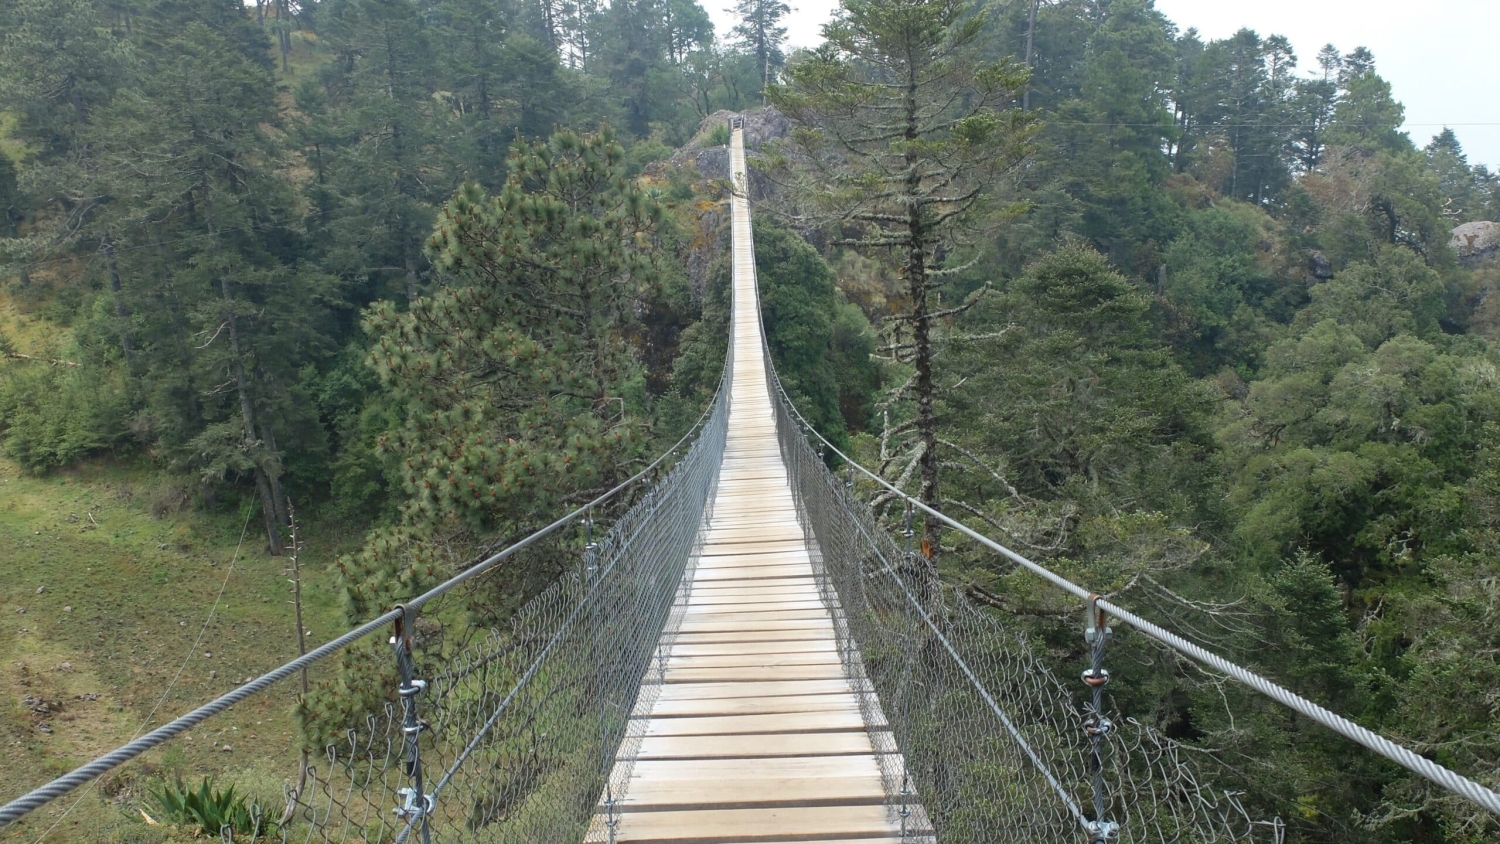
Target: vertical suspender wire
[1096, 726]
[418, 804]
[601, 681]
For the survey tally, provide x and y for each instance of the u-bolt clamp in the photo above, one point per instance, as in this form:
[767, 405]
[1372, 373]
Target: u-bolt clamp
[1101, 832]
[410, 809]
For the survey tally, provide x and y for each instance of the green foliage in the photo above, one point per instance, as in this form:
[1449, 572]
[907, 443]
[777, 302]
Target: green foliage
[820, 345]
[1090, 409]
[1394, 294]
[209, 809]
[53, 416]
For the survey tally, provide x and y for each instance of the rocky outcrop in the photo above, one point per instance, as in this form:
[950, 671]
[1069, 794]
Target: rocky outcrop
[708, 164]
[1476, 242]
[1319, 266]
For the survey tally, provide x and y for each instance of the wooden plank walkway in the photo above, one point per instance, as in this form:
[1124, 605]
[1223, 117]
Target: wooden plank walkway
[756, 735]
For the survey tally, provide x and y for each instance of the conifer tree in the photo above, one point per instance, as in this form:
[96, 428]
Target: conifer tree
[761, 32]
[903, 131]
[519, 390]
[222, 316]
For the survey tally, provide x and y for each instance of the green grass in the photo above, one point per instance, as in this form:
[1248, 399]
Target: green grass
[9, 146]
[140, 589]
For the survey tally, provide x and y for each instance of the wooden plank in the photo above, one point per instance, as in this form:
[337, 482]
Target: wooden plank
[769, 688]
[713, 826]
[759, 746]
[755, 603]
[758, 648]
[647, 794]
[827, 671]
[827, 656]
[729, 725]
[757, 636]
[820, 624]
[751, 705]
[772, 612]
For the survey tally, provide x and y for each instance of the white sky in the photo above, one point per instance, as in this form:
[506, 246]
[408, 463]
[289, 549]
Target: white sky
[1440, 56]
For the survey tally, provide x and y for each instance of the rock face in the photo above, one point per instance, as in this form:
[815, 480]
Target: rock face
[1474, 242]
[1319, 266]
[711, 164]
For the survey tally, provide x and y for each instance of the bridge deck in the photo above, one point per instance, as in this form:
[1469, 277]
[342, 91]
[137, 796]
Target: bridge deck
[756, 734]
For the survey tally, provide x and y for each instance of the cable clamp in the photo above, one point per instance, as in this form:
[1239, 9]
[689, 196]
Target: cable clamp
[412, 687]
[1101, 832]
[1096, 677]
[410, 809]
[1097, 726]
[415, 729]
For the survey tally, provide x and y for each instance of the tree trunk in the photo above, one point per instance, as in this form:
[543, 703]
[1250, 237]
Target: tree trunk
[922, 385]
[1030, 31]
[122, 311]
[411, 269]
[247, 416]
[278, 495]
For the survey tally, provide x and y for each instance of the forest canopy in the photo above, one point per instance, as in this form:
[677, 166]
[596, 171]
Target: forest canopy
[1185, 318]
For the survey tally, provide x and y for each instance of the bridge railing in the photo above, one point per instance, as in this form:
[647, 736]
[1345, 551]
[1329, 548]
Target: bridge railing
[514, 738]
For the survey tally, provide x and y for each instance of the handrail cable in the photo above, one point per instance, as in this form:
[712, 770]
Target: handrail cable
[1406, 758]
[64, 784]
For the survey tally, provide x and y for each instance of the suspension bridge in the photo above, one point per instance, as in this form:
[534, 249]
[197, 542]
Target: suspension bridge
[746, 655]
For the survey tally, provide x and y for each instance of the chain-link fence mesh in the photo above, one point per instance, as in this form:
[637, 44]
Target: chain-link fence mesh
[520, 731]
[995, 746]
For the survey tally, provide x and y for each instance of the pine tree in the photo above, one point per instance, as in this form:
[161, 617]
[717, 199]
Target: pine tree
[519, 390]
[201, 253]
[761, 32]
[903, 131]
[389, 134]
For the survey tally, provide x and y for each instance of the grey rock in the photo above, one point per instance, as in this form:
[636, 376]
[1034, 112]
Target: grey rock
[1475, 242]
[1319, 265]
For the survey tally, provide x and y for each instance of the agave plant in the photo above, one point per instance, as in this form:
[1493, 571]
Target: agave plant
[209, 809]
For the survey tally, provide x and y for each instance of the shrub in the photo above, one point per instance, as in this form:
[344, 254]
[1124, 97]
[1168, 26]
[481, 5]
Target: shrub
[209, 809]
[53, 415]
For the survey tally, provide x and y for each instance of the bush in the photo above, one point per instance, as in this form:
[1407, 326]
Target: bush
[719, 135]
[53, 415]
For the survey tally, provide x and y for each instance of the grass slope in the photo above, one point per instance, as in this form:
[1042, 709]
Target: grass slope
[100, 606]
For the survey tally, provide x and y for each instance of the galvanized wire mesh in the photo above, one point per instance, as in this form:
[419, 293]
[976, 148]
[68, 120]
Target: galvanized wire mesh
[996, 746]
[521, 729]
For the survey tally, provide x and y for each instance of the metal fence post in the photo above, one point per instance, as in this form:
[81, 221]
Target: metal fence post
[1096, 726]
[417, 804]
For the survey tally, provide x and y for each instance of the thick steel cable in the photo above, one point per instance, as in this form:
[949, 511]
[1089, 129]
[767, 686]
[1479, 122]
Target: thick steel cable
[1406, 758]
[42, 795]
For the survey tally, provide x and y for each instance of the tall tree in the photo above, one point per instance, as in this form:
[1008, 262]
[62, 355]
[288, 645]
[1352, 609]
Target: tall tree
[903, 131]
[761, 32]
[225, 318]
[516, 383]
[388, 134]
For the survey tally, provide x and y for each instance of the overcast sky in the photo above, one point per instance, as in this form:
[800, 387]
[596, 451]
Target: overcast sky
[1440, 56]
